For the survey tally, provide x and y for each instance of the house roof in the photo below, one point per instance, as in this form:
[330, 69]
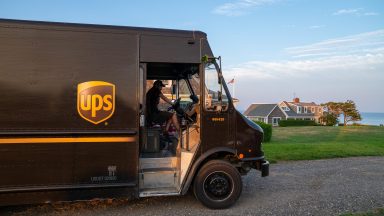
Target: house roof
[292, 113]
[261, 110]
[303, 104]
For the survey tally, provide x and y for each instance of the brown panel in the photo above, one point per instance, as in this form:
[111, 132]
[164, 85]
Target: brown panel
[40, 71]
[169, 49]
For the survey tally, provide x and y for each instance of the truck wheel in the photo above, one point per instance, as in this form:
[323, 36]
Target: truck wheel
[218, 184]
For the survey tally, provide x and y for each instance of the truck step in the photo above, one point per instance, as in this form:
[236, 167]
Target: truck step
[154, 178]
[167, 191]
[154, 163]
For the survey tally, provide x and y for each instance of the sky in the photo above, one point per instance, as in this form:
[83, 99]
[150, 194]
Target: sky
[316, 50]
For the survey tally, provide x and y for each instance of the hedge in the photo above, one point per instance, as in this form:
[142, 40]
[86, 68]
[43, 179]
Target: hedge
[296, 122]
[267, 128]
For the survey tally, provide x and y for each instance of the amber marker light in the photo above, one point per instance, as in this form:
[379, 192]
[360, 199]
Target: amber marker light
[241, 156]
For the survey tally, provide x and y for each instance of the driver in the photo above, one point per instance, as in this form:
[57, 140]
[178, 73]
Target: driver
[153, 113]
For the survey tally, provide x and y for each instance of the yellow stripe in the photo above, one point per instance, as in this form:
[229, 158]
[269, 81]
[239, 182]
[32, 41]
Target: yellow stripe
[66, 140]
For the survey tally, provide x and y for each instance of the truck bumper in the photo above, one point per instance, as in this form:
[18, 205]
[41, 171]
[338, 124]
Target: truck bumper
[264, 168]
[260, 164]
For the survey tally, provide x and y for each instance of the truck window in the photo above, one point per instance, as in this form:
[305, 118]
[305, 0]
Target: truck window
[215, 96]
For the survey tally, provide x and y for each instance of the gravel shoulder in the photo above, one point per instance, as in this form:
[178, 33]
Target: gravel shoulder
[319, 187]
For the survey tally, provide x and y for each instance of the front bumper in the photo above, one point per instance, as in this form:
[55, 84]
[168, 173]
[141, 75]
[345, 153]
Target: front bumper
[258, 163]
[264, 168]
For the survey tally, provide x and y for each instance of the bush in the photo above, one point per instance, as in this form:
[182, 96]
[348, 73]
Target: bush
[267, 128]
[296, 122]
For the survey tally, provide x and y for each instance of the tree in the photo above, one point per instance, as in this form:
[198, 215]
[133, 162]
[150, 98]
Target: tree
[350, 112]
[348, 109]
[329, 119]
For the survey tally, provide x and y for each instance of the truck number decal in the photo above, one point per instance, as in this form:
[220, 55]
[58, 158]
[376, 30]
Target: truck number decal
[95, 101]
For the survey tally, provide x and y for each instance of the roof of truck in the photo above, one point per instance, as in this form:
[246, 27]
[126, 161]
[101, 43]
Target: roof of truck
[11, 23]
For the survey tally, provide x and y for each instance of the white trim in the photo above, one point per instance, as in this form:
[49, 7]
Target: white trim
[271, 111]
[277, 121]
[286, 115]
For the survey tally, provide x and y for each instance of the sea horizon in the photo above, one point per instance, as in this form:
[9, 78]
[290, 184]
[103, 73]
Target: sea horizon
[371, 118]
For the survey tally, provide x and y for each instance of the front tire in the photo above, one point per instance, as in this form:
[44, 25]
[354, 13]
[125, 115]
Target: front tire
[218, 184]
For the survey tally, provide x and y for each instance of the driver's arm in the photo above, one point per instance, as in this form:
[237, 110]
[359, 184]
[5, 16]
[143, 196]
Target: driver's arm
[165, 99]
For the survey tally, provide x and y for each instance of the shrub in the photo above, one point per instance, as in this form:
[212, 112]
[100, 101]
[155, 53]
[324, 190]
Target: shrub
[267, 128]
[296, 122]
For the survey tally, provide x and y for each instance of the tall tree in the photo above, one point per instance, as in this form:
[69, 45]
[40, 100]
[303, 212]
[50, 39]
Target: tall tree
[348, 109]
[350, 112]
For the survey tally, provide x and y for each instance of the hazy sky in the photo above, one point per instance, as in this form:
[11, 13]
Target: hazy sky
[324, 50]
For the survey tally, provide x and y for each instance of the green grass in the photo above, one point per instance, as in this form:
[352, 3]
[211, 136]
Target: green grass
[309, 143]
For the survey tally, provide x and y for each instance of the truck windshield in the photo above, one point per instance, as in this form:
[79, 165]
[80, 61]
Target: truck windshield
[215, 96]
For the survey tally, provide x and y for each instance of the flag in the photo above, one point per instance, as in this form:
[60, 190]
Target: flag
[231, 81]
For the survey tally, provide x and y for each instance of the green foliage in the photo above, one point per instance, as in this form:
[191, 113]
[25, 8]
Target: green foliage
[348, 109]
[267, 128]
[329, 119]
[311, 143]
[296, 122]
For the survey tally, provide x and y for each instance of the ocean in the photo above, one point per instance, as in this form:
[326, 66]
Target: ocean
[369, 118]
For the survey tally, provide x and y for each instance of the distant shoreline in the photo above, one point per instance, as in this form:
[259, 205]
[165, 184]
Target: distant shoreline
[369, 118]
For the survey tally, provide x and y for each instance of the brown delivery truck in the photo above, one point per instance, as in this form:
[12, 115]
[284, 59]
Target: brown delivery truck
[74, 126]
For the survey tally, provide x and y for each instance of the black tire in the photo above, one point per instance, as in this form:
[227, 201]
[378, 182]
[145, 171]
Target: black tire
[218, 184]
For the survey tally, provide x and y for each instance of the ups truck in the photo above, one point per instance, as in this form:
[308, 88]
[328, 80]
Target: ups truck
[73, 124]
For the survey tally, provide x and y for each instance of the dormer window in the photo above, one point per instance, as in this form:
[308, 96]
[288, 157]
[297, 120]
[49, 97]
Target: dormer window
[285, 108]
[299, 109]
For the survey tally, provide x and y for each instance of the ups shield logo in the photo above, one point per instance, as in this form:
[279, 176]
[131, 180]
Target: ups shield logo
[95, 101]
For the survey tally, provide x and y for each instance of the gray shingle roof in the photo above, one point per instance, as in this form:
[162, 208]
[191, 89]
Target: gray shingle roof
[261, 110]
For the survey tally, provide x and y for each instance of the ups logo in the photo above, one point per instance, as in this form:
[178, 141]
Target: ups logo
[95, 101]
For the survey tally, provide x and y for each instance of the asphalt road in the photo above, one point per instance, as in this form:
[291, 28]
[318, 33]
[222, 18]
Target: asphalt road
[320, 187]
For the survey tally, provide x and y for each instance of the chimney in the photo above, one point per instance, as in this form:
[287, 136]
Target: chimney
[296, 100]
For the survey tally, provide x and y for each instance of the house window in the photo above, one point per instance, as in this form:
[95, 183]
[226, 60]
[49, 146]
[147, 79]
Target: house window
[275, 121]
[299, 109]
[305, 110]
[285, 108]
[313, 109]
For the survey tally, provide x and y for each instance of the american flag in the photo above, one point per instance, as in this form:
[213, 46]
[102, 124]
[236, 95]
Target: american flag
[231, 81]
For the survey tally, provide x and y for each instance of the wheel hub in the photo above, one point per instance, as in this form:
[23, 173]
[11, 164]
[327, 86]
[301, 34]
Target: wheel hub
[218, 185]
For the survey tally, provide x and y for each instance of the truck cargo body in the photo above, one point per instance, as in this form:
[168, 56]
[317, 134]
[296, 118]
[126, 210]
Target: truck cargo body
[72, 125]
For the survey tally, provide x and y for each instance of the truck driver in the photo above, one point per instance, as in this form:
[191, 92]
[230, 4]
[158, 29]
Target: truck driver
[153, 113]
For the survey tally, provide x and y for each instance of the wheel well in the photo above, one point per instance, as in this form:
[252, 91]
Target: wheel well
[222, 155]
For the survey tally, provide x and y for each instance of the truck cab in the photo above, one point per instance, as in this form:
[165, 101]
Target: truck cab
[215, 145]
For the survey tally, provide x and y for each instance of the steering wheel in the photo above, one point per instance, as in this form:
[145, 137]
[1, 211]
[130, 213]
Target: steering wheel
[181, 112]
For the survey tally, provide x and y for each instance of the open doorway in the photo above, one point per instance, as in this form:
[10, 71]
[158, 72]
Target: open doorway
[165, 152]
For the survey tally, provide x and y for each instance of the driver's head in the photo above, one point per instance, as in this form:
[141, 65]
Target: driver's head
[158, 84]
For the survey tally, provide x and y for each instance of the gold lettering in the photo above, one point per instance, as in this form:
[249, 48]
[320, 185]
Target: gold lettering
[85, 104]
[97, 104]
[108, 102]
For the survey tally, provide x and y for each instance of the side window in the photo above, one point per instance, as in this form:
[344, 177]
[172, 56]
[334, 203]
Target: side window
[215, 97]
[184, 94]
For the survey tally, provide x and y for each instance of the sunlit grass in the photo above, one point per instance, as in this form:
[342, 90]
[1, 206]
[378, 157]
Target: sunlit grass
[308, 143]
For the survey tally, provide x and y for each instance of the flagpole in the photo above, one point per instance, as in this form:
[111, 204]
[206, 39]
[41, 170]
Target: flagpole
[233, 89]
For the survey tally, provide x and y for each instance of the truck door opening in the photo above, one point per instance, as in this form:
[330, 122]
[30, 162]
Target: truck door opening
[165, 156]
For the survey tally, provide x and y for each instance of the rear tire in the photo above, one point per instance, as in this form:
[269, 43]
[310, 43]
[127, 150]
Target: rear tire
[218, 184]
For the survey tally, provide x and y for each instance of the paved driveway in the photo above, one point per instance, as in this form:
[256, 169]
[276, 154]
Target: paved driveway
[321, 187]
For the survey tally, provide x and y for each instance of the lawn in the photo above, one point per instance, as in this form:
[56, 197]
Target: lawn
[316, 142]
